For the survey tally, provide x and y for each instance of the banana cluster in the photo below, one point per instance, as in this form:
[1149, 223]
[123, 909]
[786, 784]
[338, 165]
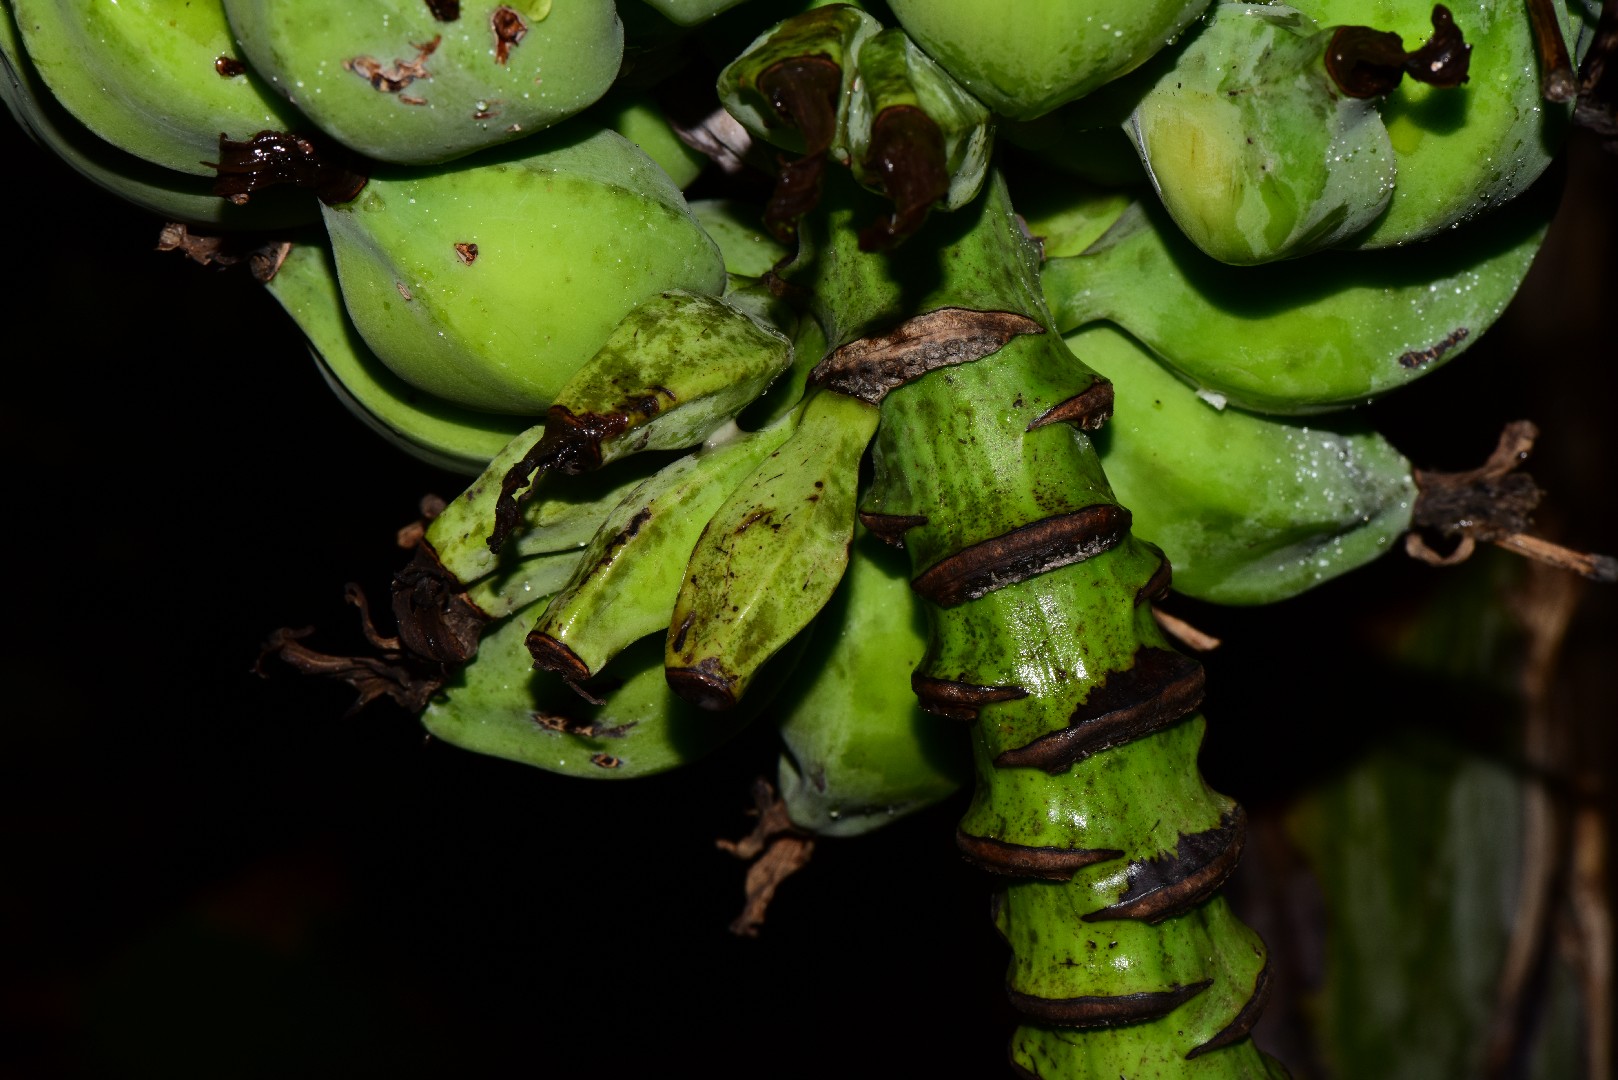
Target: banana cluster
[698, 429]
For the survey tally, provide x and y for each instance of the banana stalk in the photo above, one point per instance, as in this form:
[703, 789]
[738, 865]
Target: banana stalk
[1084, 733]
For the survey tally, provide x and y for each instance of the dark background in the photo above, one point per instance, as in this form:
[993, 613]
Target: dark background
[211, 874]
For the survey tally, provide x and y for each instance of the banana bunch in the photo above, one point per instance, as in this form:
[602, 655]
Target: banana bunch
[699, 430]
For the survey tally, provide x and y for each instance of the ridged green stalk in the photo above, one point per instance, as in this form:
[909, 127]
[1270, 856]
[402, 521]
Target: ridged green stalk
[1088, 801]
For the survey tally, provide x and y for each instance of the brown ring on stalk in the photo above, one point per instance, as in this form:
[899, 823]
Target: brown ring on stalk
[1023, 553]
[944, 337]
[1244, 1020]
[1022, 860]
[1556, 82]
[1105, 1010]
[956, 700]
[1172, 883]
[1161, 688]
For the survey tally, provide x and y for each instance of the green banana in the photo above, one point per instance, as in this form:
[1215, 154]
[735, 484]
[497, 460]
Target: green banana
[1254, 149]
[1470, 149]
[771, 555]
[690, 12]
[490, 285]
[859, 752]
[498, 705]
[173, 196]
[1249, 509]
[1271, 339]
[417, 83]
[677, 369]
[179, 84]
[442, 434]
[1026, 62]
[629, 575]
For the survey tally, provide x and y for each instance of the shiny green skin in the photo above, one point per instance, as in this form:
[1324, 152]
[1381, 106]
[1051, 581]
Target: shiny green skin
[1464, 151]
[1249, 509]
[441, 434]
[1026, 60]
[173, 196]
[497, 704]
[859, 752]
[572, 235]
[1278, 340]
[774, 552]
[567, 59]
[140, 74]
[945, 439]
[628, 577]
[1254, 151]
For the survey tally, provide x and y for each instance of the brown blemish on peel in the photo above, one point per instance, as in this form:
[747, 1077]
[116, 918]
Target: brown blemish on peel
[1171, 883]
[867, 369]
[1105, 1010]
[436, 618]
[1022, 553]
[395, 77]
[605, 761]
[444, 10]
[959, 700]
[571, 445]
[1087, 410]
[1159, 689]
[566, 725]
[509, 30]
[467, 253]
[1021, 860]
[1366, 63]
[803, 91]
[906, 159]
[229, 67]
[282, 159]
[1417, 357]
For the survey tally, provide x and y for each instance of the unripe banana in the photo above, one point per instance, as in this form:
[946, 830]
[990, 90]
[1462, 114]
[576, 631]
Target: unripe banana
[1465, 150]
[860, 753]
[1271, 339]
[171, 195]
[677, 369]
[1255, 151]
[159, 80]
[629, 575]
[690, 12]
[491, 284]
[1249, 509]
[1026, 61]
[438, 432]
[771, 556]
[497, 704]
[416, 83]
